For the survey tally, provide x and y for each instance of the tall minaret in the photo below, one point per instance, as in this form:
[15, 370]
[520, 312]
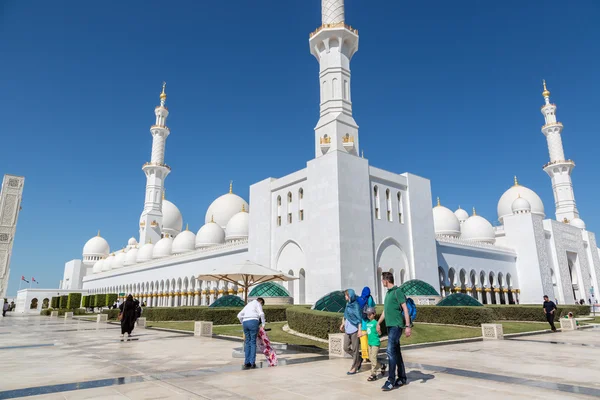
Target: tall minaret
[558, 168]
[156, 171]
[333, 44]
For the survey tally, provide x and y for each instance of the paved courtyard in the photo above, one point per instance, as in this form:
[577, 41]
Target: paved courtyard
[45, 358]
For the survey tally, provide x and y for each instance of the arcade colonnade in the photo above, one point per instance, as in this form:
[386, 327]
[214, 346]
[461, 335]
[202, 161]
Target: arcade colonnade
[488, 287]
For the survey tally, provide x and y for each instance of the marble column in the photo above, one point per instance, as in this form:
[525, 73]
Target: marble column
[497, 295]
[196, 298]
[488, 295]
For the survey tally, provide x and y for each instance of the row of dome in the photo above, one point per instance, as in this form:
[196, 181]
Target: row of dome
[516, 200]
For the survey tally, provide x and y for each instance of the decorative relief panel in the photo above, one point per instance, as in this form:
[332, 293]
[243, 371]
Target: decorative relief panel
[595, 261]
[8, 210]
[4, 237]
[14, 182]
[540, 244]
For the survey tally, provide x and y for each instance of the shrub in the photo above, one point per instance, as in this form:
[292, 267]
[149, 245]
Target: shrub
[74, 301]
[315, 323]
[112, 314]
[54, 302]
[110, 299]
[62, 303]
[218, 316]
[534, 313]
[85, 301]
[455, 315]
[99, 300]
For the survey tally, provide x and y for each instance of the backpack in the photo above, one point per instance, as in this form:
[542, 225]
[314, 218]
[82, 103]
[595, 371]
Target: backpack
[411, 307]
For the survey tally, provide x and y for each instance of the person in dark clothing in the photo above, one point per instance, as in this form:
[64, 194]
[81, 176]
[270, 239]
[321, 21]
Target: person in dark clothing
[549, 308]
[128, 316]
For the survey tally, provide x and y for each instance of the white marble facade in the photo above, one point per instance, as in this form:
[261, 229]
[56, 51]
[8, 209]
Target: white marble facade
[340, 222]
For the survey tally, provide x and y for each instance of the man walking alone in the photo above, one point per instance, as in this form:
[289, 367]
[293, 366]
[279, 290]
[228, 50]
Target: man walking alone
[549, 308]
[393, 308]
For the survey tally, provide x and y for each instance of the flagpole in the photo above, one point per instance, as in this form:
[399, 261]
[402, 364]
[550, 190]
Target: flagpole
[20, 284]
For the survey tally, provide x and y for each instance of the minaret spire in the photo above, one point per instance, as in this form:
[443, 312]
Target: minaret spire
[333, 44]
[156, 171]
[559, 169]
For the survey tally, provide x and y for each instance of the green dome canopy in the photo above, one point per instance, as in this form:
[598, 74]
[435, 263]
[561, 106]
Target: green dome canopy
[228, 301]
[269, 289]
[332, 302]
[416, 287]
[459, 299]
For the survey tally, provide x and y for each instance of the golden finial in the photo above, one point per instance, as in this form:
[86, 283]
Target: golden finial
[243, 208]
[212, 218]
[230, 186]
[187, 227]
[516, 181]
[474, 212]
[546, 92]
[98, 232]
[163, 95]
[438, 202]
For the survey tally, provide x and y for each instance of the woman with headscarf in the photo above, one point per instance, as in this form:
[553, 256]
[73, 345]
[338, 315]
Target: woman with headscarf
[351, 323]
[127, 316]
[364, 301]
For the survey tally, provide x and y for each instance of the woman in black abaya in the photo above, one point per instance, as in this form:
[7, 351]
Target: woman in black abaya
[127, 316]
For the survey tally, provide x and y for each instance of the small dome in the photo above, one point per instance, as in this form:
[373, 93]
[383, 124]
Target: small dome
[119, 260]
[269, 289]
[445, 222]
[332, 302]
[478, 229]
[416, 287]
[108, 263]
[131, 256]
[184, 242]
[223, 208]
[459, 299]
[237, 227]
[578, 223]
[145, 253]
[163, 247]
[507, 199]
[210, 234]
[132, 242]
[520, 205]
[228, 301]
[461, 214]
[96, 247]
[98, 267]
[172, 220]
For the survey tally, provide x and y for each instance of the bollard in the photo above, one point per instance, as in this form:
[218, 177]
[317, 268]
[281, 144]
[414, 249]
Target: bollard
[203, 328]
[336, 345]
[102, 318]
[568, 324]
[68, 315]
[54, 314]
[141, 323]
[492, 331]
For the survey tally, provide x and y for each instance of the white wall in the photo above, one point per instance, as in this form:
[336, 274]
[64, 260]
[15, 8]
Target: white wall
[24, 297]
[74, 272]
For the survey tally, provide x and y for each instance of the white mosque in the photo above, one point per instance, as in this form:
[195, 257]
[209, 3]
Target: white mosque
[339, 222]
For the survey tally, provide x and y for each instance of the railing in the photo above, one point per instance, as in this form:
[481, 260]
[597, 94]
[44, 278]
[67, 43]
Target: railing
[348, 139]
[559, 162]
[337, 25]
[157, 164]
[552, 124]
[325, 140]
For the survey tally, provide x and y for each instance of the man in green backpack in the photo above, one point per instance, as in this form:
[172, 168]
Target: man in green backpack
[394, 307]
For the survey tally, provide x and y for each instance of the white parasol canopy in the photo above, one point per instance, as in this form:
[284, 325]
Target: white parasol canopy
[245, 275]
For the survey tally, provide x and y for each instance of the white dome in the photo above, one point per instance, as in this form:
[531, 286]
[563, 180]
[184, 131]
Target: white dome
[163, 248]
[132, 242]
[119, 260]
[237, 227]
[445, 222]
[145, 253]
[98, 267]
[209, 235]
[461, 214]
[184, 242]
[96, 247]
[520, 205]
[131, 256]
[478, 229]
[578, 223]
[506, 201]
[222, 209]
[172, 220]
[108, 263]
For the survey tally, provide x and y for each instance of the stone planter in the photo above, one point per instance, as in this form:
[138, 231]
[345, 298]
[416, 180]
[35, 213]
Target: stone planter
[68, 315]
[203, 328]
[336, 345]
[102, 318]
[568, 324]
[54, 314]
[492, 331]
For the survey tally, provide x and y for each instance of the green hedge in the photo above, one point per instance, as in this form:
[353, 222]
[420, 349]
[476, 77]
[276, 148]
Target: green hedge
[74, 301]
[85, 301]
[534, 313]
[112, 314]
[99, 300]
[110, 299]
[469, 316]
[218, 315]
[315, 323]
[62, 311]
[63, 301]
[54, 303]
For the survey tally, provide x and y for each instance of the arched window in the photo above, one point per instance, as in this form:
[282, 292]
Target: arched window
[388, 201]
[289, 207]
[278, 210]
[300, 207]
[376, 202]
[400, 209]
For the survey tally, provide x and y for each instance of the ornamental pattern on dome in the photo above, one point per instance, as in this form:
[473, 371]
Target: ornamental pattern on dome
[269, 289]
[332, 302]
[228, 301]
[416, 287]
[459, 299]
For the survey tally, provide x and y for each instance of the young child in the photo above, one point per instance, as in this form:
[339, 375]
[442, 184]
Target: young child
[374, 343]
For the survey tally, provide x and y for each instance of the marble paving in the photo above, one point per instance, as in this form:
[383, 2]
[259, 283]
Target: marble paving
[50, 358]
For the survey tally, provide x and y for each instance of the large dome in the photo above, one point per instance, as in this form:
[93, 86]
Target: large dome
[96, 247]
[172, 220]
[222, 209]
[478, 229]
[507, 199]
[445, 222]
[131, 257]
[145, 253]
[108, 263]
[98, 267]
[163, 248]
[184, 242]
[119, 260]
[210, 234]
[237, 227]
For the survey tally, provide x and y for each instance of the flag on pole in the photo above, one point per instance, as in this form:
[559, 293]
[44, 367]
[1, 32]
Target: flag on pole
[23, 279]
[33, 280]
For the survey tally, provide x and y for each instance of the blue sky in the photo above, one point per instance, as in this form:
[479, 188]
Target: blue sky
[447, 90]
